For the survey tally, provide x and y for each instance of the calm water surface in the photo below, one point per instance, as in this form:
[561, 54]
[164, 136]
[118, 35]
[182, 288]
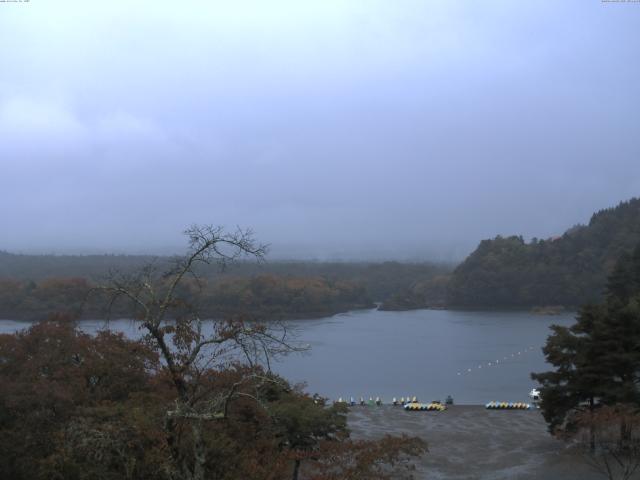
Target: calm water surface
[473, 356]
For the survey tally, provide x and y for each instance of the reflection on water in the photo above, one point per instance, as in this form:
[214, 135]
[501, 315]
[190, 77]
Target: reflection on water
[473, 356]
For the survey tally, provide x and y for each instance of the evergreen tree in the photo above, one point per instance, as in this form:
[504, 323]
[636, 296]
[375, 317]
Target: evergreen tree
[624, 281]
[596, 360]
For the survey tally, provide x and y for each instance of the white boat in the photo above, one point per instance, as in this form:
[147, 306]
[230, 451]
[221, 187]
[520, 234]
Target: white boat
[534, 394]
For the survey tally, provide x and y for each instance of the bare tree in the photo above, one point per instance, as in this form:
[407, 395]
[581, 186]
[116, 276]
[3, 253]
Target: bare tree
[190, 347]
[609, 440]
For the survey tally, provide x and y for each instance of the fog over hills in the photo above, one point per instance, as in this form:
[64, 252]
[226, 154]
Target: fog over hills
[336, 130]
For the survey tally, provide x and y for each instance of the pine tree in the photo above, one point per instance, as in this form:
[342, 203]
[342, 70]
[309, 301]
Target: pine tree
[596, 360]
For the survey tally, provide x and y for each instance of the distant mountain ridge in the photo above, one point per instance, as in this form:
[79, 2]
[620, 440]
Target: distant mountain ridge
[569, 270]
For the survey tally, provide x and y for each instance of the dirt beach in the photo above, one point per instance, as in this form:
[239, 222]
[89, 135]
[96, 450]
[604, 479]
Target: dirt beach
[470, 442]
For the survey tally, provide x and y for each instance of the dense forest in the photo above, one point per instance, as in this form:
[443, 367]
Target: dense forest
[424, 293]
[264, 296]
[380, 279]
[569, 270]
[33, 285]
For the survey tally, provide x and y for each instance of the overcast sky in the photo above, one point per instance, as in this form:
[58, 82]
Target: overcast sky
[335, 129]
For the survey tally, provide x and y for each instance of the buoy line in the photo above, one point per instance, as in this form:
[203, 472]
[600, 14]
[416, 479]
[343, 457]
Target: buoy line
[409, 403]
[497, 362]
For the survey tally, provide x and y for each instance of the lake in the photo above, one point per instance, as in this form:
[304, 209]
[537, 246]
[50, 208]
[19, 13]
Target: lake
[475, 357]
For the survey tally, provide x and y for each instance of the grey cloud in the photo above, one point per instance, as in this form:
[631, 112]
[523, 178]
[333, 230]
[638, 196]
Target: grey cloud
[403, 129]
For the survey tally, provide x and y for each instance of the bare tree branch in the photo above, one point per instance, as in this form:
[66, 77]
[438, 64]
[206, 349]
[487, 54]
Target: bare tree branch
[188, 353]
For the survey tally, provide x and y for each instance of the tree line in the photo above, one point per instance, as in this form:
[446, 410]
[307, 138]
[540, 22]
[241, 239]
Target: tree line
[263, 296]
[505, 272]
[32, 285]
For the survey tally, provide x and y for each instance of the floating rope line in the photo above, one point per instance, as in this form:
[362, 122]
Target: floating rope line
[497, 363]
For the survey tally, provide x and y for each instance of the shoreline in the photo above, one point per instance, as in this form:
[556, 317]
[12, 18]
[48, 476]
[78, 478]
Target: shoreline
[542, 311]
[270, 317]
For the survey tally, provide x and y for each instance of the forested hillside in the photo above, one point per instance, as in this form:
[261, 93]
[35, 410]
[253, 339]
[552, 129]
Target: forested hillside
[569, 270]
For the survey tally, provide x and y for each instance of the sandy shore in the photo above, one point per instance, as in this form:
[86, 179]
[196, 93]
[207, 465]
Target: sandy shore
[470, 442]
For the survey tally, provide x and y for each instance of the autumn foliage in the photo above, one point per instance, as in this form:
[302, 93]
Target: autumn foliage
[264, 296]
[77, 406]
